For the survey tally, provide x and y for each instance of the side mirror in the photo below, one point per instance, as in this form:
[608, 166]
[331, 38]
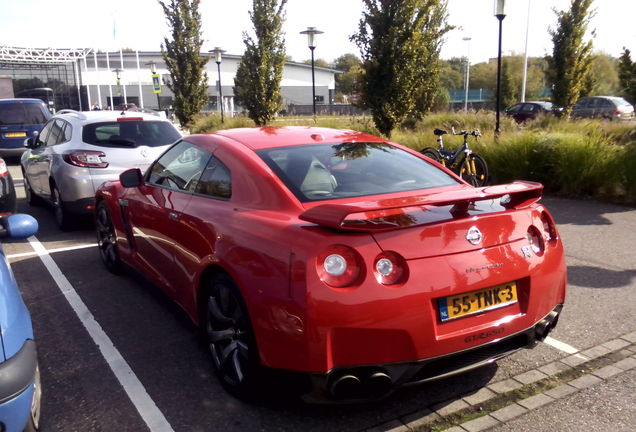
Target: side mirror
[29, 143]
[18, 226]
[131, 178]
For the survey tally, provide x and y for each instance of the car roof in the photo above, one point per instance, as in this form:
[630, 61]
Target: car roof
[21, 100]
[281, 136]
[87, 117]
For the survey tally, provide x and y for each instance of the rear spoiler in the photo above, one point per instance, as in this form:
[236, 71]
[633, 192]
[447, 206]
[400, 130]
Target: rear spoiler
[402, 212]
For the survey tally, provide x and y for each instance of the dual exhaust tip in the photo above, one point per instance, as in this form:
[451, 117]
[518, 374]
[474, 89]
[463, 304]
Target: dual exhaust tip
[370, 385]
[546, 325]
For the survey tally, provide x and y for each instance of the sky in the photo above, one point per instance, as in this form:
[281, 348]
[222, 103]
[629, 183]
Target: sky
[140, 24]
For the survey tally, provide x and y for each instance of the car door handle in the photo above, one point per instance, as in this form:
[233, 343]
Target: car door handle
[173, 216]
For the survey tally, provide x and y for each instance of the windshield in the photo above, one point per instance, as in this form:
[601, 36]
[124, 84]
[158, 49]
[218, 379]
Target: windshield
[329, 171]
[19, 113]
[130, 133]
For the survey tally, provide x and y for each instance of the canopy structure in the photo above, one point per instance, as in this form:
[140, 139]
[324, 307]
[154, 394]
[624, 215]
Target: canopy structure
[41, 56]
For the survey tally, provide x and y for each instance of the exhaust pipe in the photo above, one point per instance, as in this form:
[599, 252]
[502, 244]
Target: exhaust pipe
[379, 384]
[546, 325]
[345, 387]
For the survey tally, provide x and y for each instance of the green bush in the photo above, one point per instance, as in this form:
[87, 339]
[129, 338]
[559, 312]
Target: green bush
[585, 158]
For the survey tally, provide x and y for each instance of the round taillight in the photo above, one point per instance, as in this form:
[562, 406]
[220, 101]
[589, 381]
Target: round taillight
[536, 240]
[339, 266]
[390, 268]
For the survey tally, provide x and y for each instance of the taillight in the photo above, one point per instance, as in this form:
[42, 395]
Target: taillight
[125, 119]
[549, 227]
[339, 266]
[87, 159]
[536, 240]
[4, 171]
[390, 268]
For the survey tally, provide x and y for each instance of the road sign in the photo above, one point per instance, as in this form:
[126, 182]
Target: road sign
[156, 84]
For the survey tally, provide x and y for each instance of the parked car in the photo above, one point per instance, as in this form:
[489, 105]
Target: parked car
[77, 151]
[528, 110]
[20, 390]
[352, 262]
[7, 190]
[604, 107]
[20, 119]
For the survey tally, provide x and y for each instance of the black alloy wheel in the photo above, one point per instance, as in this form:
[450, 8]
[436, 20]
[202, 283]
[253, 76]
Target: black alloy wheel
[107, 239]
[230, 337]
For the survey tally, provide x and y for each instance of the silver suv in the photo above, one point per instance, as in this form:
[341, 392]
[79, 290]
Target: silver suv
[77, 151]
[605, 107]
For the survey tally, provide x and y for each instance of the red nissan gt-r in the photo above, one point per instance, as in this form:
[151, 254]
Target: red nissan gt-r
[347, 260]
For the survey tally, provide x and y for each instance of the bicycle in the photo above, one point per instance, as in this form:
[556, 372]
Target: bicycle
[464, 162]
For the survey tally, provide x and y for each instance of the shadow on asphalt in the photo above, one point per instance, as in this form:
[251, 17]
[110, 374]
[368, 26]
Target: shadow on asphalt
[581, 212]
[596, 277]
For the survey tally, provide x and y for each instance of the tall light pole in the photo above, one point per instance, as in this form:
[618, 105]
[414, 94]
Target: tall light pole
[467, 39]
[218, 57]
[500, 15]
[156, 85]
[311, 33]
[525, 59]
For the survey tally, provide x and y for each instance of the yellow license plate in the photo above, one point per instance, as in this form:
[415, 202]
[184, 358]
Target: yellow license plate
[477, 301]
[15, 134]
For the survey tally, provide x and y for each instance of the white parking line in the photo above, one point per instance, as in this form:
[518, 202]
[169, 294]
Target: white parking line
[50, 251]
[132, 386]
[560, 345]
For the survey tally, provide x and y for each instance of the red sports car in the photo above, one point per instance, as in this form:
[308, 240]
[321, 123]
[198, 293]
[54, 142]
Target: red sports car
[350, 261]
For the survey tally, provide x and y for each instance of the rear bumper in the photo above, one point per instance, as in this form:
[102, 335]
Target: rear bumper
[368, 382]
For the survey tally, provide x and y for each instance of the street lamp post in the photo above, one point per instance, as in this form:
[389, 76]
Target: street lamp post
[153, 70]
[500, 15]
[467, 39]
[311, 33]
[218, 57]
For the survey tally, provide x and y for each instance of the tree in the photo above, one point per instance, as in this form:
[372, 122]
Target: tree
[627, 75]
[571, 56]
[399, 42]
[346, 81]
[183, 58]
[257, 81]
[509, 92]
[318, 63]
[603, 77]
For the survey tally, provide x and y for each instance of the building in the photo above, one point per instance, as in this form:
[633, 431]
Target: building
[84, 78]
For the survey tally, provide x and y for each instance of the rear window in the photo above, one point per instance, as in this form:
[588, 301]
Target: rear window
[17, 113]
[130, 134]
[331, 171]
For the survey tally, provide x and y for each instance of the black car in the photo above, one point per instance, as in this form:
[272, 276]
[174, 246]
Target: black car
[528, 110]
[7, 190]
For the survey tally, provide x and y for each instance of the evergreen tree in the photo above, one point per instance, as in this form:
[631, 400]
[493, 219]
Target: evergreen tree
[257, 81]
[571, 57]
[627, 75]
[399, 42]
[508, 89]
[182, 54]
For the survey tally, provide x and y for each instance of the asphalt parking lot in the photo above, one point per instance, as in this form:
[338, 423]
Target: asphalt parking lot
[115, 354]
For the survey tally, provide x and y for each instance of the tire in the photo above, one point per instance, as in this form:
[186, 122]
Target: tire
[481, 171]
[63, 218]
[31, 198]
[229, 336]
[33, 425]
[432, 153]
[107, 239]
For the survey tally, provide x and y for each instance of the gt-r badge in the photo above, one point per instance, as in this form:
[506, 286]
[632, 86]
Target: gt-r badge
[526, 252]
[474, 236]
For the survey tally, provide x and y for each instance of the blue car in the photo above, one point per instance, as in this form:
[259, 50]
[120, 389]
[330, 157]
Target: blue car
[20, 119]
[20, 389]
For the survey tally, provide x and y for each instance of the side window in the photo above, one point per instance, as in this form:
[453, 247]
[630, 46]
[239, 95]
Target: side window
[216, 180]
[44, 133]
[57, 133]
[180, 167]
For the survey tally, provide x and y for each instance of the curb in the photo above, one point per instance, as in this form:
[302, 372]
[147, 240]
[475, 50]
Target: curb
[504, 400]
